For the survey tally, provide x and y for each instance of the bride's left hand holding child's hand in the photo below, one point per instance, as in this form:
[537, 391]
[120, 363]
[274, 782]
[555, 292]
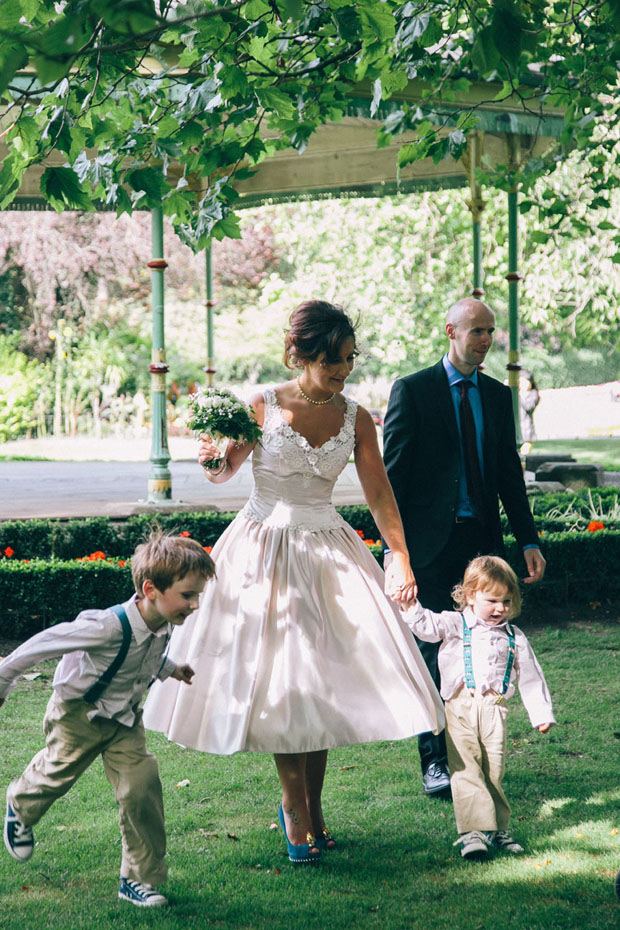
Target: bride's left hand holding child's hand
[400, 583]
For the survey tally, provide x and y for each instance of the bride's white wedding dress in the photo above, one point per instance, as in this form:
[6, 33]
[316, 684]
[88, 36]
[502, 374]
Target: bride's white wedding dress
[295, 646]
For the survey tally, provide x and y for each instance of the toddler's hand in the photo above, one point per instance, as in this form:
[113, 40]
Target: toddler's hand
[544, 727]
[183, 673]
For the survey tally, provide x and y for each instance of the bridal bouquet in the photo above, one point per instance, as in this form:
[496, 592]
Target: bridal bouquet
[225, 418]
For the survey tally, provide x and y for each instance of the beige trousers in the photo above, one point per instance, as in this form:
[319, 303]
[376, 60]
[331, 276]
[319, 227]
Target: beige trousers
[72, 743]
[476, 741]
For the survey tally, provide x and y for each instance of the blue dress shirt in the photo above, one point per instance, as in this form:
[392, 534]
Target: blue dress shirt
[464, 506]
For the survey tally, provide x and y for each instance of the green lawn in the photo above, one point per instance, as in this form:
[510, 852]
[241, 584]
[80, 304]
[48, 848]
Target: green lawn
[604, 452]
[395, 867]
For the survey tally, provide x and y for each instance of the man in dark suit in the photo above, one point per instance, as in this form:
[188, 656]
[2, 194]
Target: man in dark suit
[450, 454]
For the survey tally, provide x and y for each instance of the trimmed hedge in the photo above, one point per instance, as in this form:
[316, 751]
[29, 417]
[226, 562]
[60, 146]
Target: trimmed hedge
[74, 539]
[581, 567]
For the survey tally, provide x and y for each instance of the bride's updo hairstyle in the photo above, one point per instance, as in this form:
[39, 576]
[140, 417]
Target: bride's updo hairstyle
[316, 327]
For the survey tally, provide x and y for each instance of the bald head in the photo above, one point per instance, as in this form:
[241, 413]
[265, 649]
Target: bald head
[470, 325]
[464, 308]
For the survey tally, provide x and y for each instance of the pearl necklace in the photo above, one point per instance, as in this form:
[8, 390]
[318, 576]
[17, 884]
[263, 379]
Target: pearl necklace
[319, 403]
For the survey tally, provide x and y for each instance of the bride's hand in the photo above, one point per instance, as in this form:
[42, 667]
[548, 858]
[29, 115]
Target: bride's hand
[400, 583]
[207, 451]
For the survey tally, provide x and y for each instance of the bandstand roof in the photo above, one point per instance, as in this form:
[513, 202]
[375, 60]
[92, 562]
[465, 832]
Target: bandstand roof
[343, 159]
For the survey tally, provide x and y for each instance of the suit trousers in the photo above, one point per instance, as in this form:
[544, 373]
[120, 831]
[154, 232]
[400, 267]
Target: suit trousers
[73, 742]
[476, 739]
[435, 584]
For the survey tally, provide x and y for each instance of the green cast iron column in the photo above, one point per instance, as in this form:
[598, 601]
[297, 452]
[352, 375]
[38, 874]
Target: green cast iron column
[209, 304]
[160, 482]
[513, 277]
[476, 206]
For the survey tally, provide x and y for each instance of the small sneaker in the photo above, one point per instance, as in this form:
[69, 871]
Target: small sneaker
[503, 840]
[474, 845]
[140, 894]
[18, 838]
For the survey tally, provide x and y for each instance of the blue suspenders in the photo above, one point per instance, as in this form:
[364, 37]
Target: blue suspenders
[95, 691]
[470, 684]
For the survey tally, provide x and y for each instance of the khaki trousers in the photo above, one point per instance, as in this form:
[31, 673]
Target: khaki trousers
[73, 742]
[476, 741]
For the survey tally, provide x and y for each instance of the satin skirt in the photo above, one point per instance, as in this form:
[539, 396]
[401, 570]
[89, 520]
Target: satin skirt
[295, 648]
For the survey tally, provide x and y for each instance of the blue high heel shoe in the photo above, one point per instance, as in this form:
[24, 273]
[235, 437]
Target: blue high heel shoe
[325, 841]
[300, 855]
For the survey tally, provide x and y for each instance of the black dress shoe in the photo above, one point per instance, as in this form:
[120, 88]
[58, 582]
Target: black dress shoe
[436, 779]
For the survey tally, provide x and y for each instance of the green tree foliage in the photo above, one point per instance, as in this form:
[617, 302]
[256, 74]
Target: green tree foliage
[24, 392]
[171, 101]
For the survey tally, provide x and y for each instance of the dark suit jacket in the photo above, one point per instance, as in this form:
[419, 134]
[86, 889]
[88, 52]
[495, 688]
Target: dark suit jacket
[421, 454]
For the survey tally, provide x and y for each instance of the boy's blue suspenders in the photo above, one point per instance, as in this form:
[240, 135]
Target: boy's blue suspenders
[95, 691]
[470, 684]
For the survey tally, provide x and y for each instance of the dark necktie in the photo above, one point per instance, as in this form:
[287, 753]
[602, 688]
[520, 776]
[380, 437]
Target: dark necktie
[475, 484]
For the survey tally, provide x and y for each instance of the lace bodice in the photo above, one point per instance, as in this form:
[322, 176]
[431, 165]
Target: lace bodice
[293, 481]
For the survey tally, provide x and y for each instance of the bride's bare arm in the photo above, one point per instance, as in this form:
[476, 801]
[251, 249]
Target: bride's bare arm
[236, 455]
[400, 581]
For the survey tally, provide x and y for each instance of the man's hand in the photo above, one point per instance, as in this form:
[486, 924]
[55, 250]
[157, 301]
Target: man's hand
[535, 562]
[183, 673]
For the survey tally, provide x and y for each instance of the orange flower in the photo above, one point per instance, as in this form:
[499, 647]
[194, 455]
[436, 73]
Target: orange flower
[96, 556]
[371, 542]
[207, 548]
[360, 533]
[595, 525]
[122, 563]
[185, 533]
[9, 552]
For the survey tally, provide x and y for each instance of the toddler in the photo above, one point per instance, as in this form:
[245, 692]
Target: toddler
[481, 656]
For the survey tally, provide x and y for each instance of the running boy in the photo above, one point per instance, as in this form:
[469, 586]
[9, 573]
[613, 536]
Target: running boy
[109, 659]
[480, 657]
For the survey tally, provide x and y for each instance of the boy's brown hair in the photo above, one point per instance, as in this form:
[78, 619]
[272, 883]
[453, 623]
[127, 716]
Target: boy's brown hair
[488, 573]
[165, 558]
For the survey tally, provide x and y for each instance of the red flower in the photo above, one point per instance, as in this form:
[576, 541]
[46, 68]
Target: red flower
[185, 533]
[207, 548]
[595, 525]
[96, 556]
[9, 552]
[371, 542]
[360, 533]
[122, 563]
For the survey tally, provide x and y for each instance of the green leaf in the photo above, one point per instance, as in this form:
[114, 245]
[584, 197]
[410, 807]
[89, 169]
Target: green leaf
[273, 99]
[227, 228]
[12, 58]
[10, 14]
[538, 236]
[131, 17]
[290, 9]
[508, 33]
[29, 8]
[484, 53]
[149, 180]
[62, 189]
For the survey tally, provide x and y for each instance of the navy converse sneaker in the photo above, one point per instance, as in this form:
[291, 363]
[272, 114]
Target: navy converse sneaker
[18, 838]
[140, 894]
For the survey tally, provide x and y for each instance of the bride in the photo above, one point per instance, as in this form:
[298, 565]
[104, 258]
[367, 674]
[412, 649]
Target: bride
[296, 647]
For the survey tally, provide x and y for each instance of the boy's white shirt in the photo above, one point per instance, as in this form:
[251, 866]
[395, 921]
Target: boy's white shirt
[489, 658]
[88, 645]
